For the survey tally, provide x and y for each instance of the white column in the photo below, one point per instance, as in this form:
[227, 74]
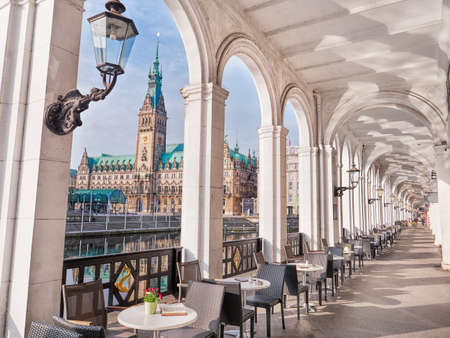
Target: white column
[39, 47]
[329, 226]
[435, 222]
[201, 221]
[443, 179]
[363, 202]
[342, 214]
[272, 191]
[308, 196]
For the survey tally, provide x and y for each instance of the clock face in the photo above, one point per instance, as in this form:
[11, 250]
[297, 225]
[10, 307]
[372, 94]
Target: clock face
[145, 139]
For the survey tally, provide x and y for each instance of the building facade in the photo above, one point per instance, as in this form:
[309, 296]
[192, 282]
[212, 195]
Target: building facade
[152, 178]
[292, 186]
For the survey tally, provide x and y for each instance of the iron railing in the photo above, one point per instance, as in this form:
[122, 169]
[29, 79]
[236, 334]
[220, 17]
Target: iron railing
[295, 240]
[237, 256]
[126, 275]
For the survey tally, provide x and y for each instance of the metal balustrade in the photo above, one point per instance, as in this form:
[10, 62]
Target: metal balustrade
[126, 275]
[238, 256]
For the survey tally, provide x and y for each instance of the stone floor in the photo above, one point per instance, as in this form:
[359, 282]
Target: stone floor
[402, 293]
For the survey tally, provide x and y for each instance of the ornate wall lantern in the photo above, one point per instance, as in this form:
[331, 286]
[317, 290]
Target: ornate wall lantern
[371, 200]
[353, 174]
[380, 192]
[113, 37]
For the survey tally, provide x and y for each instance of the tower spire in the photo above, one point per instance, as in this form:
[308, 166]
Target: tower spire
[155, 78]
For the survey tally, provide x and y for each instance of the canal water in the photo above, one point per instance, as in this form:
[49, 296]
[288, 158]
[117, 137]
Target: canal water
[103, 235]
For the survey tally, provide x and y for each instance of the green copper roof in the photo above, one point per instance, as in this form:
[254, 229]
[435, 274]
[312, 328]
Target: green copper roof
[97, 195]
[155, 80]
[105, 161]
[242, 158]
[173, 151]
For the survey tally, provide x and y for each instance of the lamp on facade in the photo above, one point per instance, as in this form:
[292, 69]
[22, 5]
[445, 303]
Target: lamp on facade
[353, 174]
[371, 200]
[380, 192]
[113, 37]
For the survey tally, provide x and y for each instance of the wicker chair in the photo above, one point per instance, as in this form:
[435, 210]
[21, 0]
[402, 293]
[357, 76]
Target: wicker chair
[290, 257]
[187, 272]
[306, 248]
[85, 303]
[85, 330]
[272, 295]
[295, 288]
[259, 258]
[324, 244]
[320, 277]
[39, 330]
[233, 313]
[206, 299]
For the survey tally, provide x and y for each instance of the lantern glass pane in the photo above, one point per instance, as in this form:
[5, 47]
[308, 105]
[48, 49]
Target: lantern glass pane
[128, 45]
[113, 38]
[98, 30]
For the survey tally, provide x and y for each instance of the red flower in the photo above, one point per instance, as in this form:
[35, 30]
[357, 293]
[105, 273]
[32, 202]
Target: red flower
[160, 296]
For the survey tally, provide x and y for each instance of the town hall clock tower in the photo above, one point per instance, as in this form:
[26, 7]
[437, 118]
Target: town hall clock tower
[151, 139]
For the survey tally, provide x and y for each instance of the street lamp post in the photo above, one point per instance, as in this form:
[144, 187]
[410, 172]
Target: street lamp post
[113, 37]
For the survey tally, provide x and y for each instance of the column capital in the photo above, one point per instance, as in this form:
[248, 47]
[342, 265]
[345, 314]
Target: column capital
[304, 151]
[204, 91]
[326, 147]
[272, 131]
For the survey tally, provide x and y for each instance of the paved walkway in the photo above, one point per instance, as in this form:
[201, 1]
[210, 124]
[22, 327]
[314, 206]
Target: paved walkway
[403, 293]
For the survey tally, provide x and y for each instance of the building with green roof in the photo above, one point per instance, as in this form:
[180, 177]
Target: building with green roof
[152, 177]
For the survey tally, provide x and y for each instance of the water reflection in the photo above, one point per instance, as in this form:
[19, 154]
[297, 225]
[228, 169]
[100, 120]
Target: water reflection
[118, 243]
[88, 246]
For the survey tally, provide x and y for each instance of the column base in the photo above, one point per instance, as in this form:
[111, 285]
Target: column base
[445, 266]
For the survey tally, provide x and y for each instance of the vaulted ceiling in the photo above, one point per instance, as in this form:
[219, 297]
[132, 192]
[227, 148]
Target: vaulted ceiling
[337, 45]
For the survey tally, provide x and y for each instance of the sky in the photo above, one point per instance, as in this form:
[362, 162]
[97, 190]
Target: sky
[109, 126]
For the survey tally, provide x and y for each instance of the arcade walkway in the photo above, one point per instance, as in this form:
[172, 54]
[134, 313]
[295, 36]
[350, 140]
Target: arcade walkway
[403, 293]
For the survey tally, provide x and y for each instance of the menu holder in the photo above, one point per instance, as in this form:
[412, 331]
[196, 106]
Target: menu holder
[173, 310]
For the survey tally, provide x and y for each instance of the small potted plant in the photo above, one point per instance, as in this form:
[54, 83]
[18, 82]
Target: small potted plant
[151, 299]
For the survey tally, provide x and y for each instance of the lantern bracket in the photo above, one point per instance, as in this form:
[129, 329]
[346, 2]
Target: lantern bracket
[63, 116]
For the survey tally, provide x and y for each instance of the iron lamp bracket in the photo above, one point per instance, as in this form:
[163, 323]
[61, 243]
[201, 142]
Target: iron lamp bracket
[63, 116]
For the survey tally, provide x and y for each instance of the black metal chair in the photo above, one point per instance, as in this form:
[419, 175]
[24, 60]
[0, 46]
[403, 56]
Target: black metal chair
[338, 264]
[333, 273]
[187, 272]
[206, 299]
[39, 330]
[271, 296]
[295, 288]
[348, 256]
[320, 277]
[233, 313]
[358, 247]
[86, 331]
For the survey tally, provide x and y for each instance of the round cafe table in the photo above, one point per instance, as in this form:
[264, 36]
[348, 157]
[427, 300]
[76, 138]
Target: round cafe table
[304, 269]
[134, 317]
